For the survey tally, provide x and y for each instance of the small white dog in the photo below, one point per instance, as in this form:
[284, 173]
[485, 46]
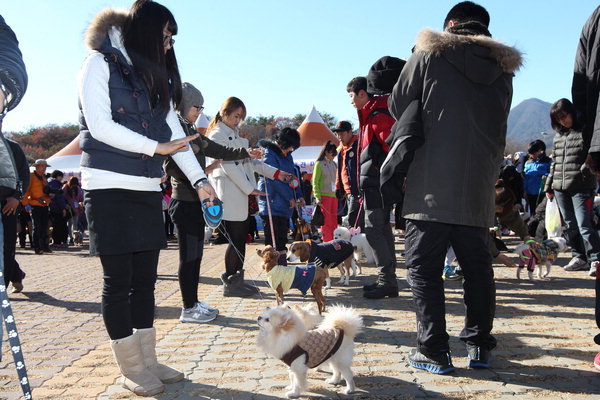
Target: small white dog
[284, 335]
[533, 254]
[359, 241]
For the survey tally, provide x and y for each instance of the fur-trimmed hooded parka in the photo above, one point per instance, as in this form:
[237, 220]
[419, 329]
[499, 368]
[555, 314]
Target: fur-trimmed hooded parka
[464, 87]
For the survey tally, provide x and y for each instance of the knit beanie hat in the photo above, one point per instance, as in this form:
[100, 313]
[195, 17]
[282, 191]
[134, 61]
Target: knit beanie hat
[384, 74]
[190, 96]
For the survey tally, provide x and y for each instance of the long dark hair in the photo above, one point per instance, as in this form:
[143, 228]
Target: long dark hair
[328, 148]
[558, 110]
[143, 39]
[230, 105]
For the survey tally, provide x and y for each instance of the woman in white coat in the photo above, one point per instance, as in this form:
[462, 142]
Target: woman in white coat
[234, 181]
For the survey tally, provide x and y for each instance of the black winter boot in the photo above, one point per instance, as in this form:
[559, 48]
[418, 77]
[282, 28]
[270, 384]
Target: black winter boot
[233, 286]
[249, 286]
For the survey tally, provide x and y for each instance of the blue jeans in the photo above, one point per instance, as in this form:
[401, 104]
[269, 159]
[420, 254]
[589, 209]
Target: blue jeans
[576, 209]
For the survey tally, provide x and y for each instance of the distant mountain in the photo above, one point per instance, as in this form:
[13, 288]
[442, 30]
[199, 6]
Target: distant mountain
[529, 121]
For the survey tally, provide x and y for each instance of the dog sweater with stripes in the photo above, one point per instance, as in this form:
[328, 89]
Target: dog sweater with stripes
[329, 254]
[538, 253]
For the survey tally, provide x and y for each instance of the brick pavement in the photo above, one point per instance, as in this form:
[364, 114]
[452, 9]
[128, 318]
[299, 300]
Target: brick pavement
[544, 332]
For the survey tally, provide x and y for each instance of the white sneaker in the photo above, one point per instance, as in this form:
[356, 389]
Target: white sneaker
[593, 266]
[204, 305]
[576, 264]
[197, 314]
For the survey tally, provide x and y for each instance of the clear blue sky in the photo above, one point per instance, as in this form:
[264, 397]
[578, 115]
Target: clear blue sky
[281, 57]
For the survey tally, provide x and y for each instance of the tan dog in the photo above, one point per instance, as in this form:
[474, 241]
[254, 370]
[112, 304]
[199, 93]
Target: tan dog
[303, 230]
[283, 278]
[335, 253]
[284, 335]
[78, 238]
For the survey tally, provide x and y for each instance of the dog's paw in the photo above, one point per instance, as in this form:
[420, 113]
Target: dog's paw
[349, 390]
[292, 394]
[332, 381]
[341, 280]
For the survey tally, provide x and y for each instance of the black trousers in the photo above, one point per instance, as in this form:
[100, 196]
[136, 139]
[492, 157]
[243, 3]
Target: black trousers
[40, 217]
[381, 238]
[187, 217]
[26, 228]
[426, 246]
[356, 213]
[12, 271]
[281, 228]
[237, 232]
[128, 292]
[60, 232]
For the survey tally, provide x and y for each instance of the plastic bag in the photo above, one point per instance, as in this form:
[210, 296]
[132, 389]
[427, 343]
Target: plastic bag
[553, 222]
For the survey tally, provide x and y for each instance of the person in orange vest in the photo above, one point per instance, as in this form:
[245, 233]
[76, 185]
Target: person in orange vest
[37, 199]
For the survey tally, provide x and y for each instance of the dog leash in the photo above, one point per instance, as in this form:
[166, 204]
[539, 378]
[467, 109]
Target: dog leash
[6, 314]
[360, 207]
[268, 204]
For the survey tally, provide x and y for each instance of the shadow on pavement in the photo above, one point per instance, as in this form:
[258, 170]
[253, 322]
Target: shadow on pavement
[44, 298]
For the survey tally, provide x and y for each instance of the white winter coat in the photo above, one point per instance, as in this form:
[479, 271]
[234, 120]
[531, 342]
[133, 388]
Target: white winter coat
[234, 180]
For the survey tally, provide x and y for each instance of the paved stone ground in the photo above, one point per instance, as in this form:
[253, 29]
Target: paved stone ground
[544, 331]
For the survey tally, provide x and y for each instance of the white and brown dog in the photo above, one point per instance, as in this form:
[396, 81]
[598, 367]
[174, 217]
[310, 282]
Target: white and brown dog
[326, 255]
[533, 254]
[284, 335]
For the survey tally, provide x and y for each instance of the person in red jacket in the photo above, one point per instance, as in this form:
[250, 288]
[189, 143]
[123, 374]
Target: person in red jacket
[375, 126]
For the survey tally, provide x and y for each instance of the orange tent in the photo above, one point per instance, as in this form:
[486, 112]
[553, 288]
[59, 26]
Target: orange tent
[314, 132]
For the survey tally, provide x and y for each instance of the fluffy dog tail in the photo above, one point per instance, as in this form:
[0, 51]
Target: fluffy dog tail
[344, 318]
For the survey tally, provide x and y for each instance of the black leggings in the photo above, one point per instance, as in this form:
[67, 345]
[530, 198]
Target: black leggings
[188, 217]
[128, 292]
[237, 232]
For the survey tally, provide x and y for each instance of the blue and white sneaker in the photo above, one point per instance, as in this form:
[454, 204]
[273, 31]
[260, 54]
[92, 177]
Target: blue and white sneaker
[197, 314]
[440, 364]
[207, 307]
[479, 357]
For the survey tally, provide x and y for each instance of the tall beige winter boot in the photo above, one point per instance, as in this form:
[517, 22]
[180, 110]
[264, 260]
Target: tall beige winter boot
[148, 341]
[138, 379]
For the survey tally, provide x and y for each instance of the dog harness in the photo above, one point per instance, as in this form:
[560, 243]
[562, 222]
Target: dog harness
[329, 254]
[537, 253]
[299, 277]
[318, 345]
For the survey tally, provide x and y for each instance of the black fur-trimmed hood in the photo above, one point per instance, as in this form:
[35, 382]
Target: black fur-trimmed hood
[101, 26]
[271, 145]
[430, 41]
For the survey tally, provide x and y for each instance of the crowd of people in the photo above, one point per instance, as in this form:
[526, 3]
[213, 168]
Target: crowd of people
[147, 148]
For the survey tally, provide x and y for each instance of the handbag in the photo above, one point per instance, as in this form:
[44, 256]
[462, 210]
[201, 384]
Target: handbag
[318, 218]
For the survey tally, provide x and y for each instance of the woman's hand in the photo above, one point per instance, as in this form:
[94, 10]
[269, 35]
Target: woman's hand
[210, 168]
[255, 153]
[11, 204]
[256, 192]
[285, 176]
[318, 202]
[206, 191]
[175, 145]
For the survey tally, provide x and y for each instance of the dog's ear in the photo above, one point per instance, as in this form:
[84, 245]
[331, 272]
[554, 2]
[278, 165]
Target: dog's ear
[259, 252]
[285, 322]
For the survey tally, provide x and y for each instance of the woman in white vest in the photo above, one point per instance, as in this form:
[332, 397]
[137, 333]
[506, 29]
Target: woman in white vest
[234, 181]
